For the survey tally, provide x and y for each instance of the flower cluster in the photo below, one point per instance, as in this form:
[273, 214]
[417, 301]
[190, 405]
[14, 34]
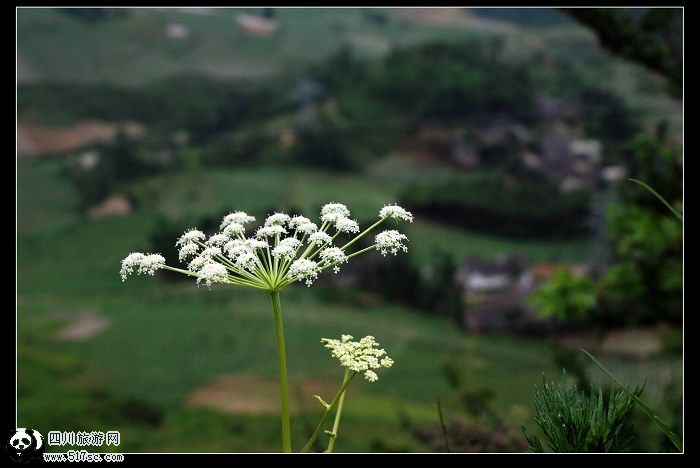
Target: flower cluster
[359, 356]
[285, 249]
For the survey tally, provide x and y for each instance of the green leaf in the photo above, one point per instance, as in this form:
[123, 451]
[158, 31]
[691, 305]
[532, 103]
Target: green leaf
[677, 441]
[675, 212]
[322, 401]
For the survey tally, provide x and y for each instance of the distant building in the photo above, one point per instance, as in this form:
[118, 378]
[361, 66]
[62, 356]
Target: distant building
[569, 162]
[496, 296]
[477, 275]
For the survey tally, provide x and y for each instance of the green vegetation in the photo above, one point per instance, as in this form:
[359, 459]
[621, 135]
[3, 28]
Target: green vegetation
[488, 202]
[573, 422]
[567, 297]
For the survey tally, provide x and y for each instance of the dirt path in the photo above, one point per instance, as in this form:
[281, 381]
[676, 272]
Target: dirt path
[86, 325]
[251, 394]
[35, 140]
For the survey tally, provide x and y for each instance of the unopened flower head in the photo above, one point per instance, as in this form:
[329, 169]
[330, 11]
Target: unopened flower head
[390, 242]
[238, 217]
[277, 219]
[142, 264]
[286, 249]
[193, 235]
[395, 212]
[347, 225]
[362, 356]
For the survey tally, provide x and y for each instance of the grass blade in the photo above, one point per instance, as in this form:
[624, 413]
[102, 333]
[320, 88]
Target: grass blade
[648, 411]
[675, 212]
[448, 448]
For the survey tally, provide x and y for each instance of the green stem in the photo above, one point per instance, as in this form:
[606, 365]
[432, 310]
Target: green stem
[282, 361]
[330, 408]
[338, 413]
[361, 235]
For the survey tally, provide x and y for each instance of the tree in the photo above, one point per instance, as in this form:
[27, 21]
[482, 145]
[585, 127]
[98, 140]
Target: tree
[652, 37]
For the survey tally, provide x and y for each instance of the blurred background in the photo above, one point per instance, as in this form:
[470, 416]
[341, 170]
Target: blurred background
[510, 133]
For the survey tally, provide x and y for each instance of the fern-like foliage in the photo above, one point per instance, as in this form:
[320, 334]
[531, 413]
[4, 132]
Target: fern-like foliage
[575, 422]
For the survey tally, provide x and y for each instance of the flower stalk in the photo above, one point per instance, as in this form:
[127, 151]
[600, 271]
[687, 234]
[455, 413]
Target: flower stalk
[282, 364]
[338, 414]
[326, 413]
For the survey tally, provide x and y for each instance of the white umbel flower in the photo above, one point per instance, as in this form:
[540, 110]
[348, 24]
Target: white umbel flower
[269, 231]
[217, 240]
[320, 238]
[390, 242]
[277, 219]
[211, 252]
[359, 356]
[307, 228]
[334, 256]
[131, 262]
[284, 250]
[297, 221]
[212, 272]
[287, 248]
[142, 264]
[332, 212]
[246, 260]
[255, 244]
[238, 217]
[235, 247]
[187, 250]
[347, 225]
[197, 263]
[395, 212]
[234, 229]
[193, 235]
[304, 269]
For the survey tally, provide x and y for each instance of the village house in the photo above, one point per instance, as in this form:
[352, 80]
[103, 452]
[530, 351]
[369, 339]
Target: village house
[495, 293]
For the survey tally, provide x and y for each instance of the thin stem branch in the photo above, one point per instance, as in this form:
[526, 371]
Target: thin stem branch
[359, 236]
[338, 413]
[328, 411]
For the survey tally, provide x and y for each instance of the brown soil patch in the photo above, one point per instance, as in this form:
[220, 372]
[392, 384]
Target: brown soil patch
[86, 325]
[450, 17]
[116, 205]
[35, 140]
[251, 394]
